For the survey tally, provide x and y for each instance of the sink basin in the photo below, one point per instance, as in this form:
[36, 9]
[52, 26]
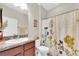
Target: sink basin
[14, 41]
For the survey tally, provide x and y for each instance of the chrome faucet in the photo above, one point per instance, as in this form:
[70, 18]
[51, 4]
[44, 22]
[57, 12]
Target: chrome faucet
[16, 36]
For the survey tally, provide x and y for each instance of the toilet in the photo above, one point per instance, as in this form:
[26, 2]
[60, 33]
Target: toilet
[43, 50]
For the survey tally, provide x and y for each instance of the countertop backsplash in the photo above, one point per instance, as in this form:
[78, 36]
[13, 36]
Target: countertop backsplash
[14, 37]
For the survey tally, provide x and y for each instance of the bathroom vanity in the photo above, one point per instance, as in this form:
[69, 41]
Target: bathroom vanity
[21, 48]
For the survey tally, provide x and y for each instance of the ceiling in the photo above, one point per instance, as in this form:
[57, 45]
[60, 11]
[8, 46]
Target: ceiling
[10, 5]
[49, 6]
[46, 6]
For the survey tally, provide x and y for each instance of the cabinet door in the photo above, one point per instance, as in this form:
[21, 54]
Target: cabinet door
[30, 52]
[29, 49]
[12, 52]
[19, 54]
[29, 45]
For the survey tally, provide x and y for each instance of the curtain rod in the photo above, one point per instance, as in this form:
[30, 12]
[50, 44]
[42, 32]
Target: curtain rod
[60, 14]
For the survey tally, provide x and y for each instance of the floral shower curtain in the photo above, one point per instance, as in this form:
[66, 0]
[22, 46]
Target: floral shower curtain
[66, 34]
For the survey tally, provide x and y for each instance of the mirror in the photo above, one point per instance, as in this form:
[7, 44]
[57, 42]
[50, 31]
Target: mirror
[14, 21]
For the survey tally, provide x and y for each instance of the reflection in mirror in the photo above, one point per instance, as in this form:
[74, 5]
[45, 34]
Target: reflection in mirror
[14, 21]
[10, 26]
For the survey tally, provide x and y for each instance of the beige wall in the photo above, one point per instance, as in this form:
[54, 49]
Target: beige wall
[21, 18]
[35, 12]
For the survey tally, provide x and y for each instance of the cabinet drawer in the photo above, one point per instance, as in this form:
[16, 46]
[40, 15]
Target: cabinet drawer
[30, 52]
[29, 45]
[12, 51]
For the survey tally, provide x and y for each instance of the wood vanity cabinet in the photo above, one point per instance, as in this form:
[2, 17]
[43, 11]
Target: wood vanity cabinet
[13, 51]
[27, 49]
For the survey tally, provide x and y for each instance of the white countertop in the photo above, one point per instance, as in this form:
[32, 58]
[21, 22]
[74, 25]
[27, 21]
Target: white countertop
[13, 43]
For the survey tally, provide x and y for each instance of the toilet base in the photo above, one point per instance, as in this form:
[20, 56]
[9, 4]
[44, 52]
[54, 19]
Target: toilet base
[42, 50]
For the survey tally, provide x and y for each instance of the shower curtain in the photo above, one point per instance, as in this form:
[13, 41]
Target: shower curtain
[64, 27]
[66, 34]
